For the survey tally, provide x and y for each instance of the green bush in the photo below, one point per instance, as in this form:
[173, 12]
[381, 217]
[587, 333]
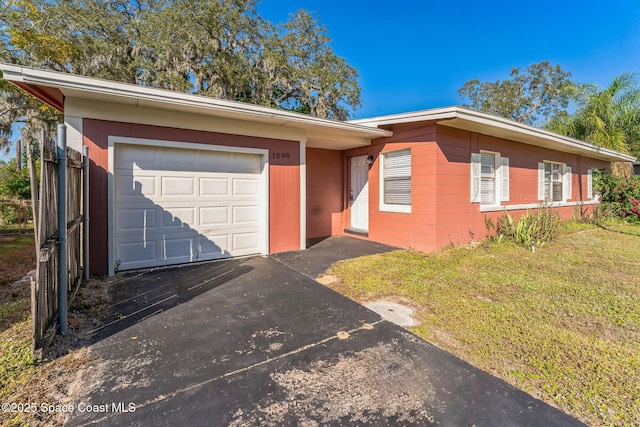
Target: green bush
[539, 227]
[14, 184]
[620, 196]
[15, 212]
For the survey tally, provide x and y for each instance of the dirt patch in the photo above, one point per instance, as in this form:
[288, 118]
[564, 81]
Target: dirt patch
[327, 279]
[17, 258]
[51, 386]
[398, 300]
[381, 387]
[56, 380]
[444, 339]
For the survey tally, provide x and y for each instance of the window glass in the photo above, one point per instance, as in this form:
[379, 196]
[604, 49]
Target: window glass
[487, 178]
[397, 177]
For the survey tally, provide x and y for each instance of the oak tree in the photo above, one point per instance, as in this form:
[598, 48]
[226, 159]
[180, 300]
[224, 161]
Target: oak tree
[531, 96]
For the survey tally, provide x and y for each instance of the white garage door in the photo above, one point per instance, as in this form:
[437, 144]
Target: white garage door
[175, 205]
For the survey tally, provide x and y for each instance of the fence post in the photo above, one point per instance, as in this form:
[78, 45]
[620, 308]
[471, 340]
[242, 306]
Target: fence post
[62, 229]
[85, 211]
[35, 196]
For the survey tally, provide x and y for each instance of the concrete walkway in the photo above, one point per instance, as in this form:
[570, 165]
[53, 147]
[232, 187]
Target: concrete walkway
[254, 342]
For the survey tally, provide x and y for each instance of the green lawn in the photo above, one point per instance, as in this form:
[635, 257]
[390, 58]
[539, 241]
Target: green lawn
[562, 323]
[17, 258]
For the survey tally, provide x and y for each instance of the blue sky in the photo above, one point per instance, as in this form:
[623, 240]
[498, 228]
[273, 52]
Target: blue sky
[414, 55]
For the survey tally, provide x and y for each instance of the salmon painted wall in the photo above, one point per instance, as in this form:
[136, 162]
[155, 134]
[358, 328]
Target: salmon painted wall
[458, 220]
[284, 180]
[324, 192]
[415, 229]
[441, 211]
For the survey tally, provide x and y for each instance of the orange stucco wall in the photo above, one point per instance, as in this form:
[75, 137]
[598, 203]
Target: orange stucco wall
[460, 221]
[284, 180]
[441, 211]
[324, 192]
[403, 229]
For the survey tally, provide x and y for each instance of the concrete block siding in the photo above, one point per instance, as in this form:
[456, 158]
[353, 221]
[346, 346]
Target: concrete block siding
[441, 211]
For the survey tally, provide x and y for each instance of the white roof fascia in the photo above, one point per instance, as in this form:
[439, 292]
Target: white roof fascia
[75, 85]
[457, 117]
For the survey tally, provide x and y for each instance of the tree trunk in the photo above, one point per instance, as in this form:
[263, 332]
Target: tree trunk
[623, 169]
[18, 155]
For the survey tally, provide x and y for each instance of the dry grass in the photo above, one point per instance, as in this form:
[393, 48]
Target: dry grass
[22, 378]
[562, 323]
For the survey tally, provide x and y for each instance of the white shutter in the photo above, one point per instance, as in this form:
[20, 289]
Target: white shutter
[475, 177]
[397, 177]
[567, 180]
[590, 184]
[504, 179]
[541, 181]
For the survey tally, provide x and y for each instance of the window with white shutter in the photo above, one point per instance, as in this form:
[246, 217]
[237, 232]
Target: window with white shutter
[489, 178]
[395, 182]
[590, 194]
[555, 182]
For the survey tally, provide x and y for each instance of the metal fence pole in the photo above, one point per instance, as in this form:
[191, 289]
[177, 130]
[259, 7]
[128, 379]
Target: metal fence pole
[62, 229]
[85, 211]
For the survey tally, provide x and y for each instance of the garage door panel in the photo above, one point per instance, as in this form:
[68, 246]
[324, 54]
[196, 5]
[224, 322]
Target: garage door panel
[176, 205]
[245, 187]
[245, 214]
[245, 242]
[136, 157]
[214, 215]
[214, 160]
[246, 163]
[214, 187]
[178, 186]
[228, 162]
[179, 249]
[177, 217]
[136, 219]
[214, 246]
[177, 159]
[133, 254]
[134, 186]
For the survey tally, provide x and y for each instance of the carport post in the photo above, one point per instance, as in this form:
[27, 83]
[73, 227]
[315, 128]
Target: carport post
[85, 212]
[62, 228]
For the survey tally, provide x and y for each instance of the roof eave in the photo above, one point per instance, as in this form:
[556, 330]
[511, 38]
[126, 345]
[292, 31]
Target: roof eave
[476, 121]
[30, 78]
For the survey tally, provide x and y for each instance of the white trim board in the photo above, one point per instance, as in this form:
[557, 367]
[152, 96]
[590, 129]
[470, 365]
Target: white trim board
[535, 206]
[303, 194]
[488, 124]
[115, 140]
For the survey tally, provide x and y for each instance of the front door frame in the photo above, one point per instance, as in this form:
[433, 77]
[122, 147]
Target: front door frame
[358, 193]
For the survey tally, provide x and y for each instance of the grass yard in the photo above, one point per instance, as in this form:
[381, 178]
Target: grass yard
[562, 323]
[17, 258]
[22, 378]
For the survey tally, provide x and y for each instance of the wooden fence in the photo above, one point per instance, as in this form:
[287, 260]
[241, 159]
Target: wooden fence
[45, 287]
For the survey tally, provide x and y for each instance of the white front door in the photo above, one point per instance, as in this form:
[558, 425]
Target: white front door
[359, 193]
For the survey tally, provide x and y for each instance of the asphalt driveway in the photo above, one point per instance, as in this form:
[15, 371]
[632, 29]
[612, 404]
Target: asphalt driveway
[256, 341]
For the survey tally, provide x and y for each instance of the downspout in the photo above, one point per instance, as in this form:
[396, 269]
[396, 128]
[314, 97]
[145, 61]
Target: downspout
[62, 229]
[85, 211]
[581, 199]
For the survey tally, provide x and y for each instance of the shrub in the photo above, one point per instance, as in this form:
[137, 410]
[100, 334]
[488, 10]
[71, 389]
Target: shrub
[539, 227]
[14, 184]
[620, 196]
